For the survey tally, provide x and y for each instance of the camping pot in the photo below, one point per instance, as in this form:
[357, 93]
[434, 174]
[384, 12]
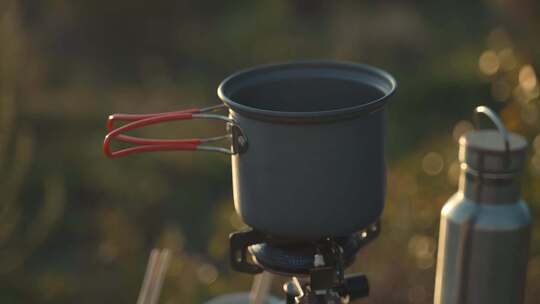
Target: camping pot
[306, 144]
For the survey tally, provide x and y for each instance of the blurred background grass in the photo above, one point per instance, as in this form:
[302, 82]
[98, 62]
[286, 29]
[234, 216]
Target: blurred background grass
[76, 227]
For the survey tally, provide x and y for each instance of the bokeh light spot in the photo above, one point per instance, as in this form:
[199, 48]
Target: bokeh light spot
[432, 163]
[421, 246]
[423, 249]
[489, 63]
[527, 78]
[207, 273]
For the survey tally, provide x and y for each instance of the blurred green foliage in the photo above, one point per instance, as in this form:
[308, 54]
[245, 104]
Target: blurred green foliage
[76, 227]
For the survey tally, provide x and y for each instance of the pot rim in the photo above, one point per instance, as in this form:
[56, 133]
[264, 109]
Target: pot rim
[344, 70]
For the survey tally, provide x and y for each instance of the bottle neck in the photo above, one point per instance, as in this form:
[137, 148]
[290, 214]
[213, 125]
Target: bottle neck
[490, 190]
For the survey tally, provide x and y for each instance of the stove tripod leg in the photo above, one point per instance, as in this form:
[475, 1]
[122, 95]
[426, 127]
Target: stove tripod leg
[260, 289]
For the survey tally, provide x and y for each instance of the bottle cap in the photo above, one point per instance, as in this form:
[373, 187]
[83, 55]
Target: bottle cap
[492, 151]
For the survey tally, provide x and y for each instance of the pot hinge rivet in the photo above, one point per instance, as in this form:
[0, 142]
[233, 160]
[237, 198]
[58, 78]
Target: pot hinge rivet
[240, 142]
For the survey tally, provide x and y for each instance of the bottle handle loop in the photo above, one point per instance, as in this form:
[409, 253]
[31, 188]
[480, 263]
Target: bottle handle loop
[494, 118]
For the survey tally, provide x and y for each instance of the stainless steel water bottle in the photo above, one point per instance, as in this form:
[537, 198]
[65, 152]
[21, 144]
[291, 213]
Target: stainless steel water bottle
[485, 227]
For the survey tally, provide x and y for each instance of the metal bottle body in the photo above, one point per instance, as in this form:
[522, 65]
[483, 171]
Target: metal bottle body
[483, 244]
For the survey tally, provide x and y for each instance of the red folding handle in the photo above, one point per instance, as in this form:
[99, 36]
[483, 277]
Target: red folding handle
[134, 117]
[143, 144]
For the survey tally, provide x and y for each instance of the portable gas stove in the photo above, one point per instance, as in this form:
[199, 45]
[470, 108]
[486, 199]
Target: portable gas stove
[317, 268]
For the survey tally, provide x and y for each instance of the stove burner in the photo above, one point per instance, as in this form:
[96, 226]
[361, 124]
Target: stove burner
[299, 259]
[293, 257]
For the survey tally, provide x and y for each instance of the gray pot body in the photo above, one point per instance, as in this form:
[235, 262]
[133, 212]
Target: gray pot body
[308, 174]
[309, 181]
